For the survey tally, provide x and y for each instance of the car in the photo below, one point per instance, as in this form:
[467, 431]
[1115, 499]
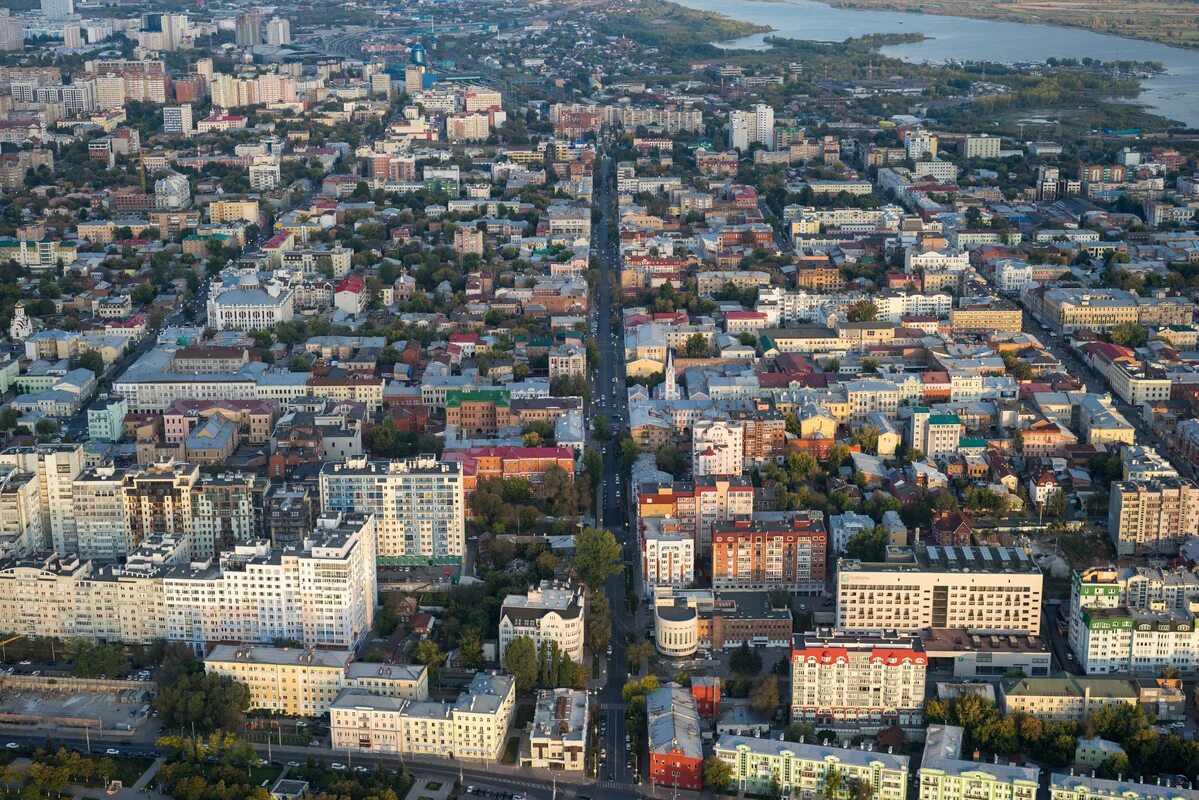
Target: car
[611, 776]
[26, 663]
[13, 746]
[338, 767]
[609, 649]
[36, 672]
[293, 764]
[603, 752]
[1069, 656]
[470, 790]
[112, 751]
[361, 768]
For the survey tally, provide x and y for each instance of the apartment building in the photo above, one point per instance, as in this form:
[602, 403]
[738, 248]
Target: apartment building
[799, 769]
[557, 738]
[1066, 698]
[866, 682]
[1084, 787]
[418, 504]
[698, 505]
[985, 315]
[984, 589]
[717, 448]
[551, 612]
[56, 467]
[20, 512]
[1152, 516]
[304, 682]
[667, 553]
[158, 499]
[322, 595]
[945, 775]
[472, 728]
[98, 498]
[758, 554]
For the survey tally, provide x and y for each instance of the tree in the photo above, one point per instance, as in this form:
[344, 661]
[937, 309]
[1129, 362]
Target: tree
[89, 360]
[520, 660]
[670, 459]
[9, 418]
[866, 437]
[867, 545]
[428, 653]
[597, 556]
[207, 700]
[598, 621]
[862, 311]
[1129, 334]
[717, 774]
[94, 660]
[745, 660]
[764, 699]
[45, 427]
[696, 346]
[470, 648]
[602, 428]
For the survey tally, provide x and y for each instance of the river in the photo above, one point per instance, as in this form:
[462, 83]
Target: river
[1174, 94]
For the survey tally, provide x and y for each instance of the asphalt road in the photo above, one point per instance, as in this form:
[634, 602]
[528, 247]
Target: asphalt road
[612, 401]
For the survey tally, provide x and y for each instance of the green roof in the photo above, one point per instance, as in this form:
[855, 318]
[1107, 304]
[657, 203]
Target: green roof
[456, 397]
[944, 419]
[965, 444]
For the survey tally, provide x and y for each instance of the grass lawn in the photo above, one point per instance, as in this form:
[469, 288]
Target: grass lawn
[264, 773]
[292, 739]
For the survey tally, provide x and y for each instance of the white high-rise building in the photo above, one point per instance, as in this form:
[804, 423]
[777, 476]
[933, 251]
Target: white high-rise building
[20, 512]
[418, 503]
[748, 127]
[323, 595]
[12, 35]
[177, 120]
[58, 9]
[101, 525]
[278, 32]
[56, 467]
[718, 448]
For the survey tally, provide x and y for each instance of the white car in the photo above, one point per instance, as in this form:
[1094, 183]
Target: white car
[338, 767]
[13, 746]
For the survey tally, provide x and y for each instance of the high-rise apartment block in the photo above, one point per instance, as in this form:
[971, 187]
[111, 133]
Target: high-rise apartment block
[418, 504]
[1152, 516]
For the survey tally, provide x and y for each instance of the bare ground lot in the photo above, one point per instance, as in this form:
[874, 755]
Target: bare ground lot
[108, 709]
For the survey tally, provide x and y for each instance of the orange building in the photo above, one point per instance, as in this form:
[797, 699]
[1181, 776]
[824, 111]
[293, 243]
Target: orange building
[771, 555]
[530, 463]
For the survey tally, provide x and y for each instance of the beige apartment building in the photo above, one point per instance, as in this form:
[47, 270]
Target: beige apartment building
[1152, 516]
[472, 728]
[975, 315]
[983, 589]
[304, 682]
[1066, 698]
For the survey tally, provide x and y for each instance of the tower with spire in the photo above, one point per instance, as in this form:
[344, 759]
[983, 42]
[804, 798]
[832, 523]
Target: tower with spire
[670, 386]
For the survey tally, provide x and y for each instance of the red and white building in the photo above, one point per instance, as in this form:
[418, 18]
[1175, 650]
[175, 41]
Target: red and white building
[860, 681]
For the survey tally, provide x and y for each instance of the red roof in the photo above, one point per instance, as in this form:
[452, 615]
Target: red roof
[353, 283]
